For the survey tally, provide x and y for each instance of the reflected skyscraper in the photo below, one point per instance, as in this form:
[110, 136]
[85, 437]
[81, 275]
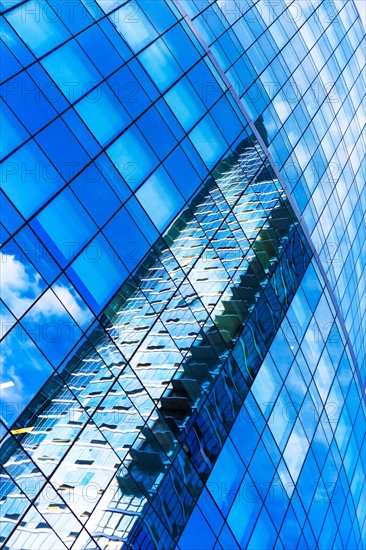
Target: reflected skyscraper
[183, 275]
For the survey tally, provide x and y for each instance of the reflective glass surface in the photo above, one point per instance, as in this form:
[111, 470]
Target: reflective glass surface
[183, 275]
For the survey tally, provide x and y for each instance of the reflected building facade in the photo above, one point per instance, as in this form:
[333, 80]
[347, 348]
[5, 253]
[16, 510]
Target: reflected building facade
[183, 275]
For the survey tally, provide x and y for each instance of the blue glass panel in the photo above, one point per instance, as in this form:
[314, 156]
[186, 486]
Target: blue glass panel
[197, 529]
[63, 149]
[206, 85]
[134, 26]
[95, 194]
[75, 15]
[10, 64]
[227, 120]
[21, 283]
[113, 177]
[133, 157]
[227, 539]
[185, 103]
[7, 322]
[141, 219]
[284, 414]
[245, 436]
[52, 328]
[261, 468]
[266, 386]
[74, 78]
[81, 132]
[70, 233]
[13, 132]
[276, 501]
[38, 25]
[102, 104]
[210, 511]
[181, 46]
[40, 257]
[4, 233]
[105, 57]
[29, 179]
[290, 532]
[160, 198]
[190, 7]
[296, 450]
[28, 102]
[15, 47]
[48, 87]
[10, 217]
[182, 172]
[160, 64]
[226, 477]
[195, 159]
[311, 287]
[160, 13]
[74, 304]
[244, 511]
[115, 38]
[170, 119]
[133, 93]
[156, 131]
[299, 314]
[208, 141]
[126, 238]
[264, 534]
[97, 273]
[281, 353]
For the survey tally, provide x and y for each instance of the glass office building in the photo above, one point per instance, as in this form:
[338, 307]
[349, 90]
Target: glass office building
[183, 275]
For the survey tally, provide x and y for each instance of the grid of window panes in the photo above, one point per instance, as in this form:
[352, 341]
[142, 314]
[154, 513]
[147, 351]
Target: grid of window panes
[100, 154]
[303, 70]
[68, 155]
[75, 462]
[290, 473]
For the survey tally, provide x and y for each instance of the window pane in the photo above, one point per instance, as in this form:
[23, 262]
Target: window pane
[21, 283]
[27, 370]
[185, 103]
[127, 239]
[155, 130]
[133, 88]
[134, 26]
[63, 149]
[160, 198]
[105, 57]
[95, 194]
[29, 179]
[28, 102]
[133, 157]
[97, 273]
[68, 233]
[182, 172]
[12, 132]
[38, 25]
[74, 78]
[208, 141]
[160, 64]
[102, 105]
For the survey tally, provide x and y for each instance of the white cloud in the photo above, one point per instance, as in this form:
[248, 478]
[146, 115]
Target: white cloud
[79, 313]
[5, 385]
[21, 287]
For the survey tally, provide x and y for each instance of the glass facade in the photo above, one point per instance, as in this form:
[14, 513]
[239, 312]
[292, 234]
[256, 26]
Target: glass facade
[183, 275]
